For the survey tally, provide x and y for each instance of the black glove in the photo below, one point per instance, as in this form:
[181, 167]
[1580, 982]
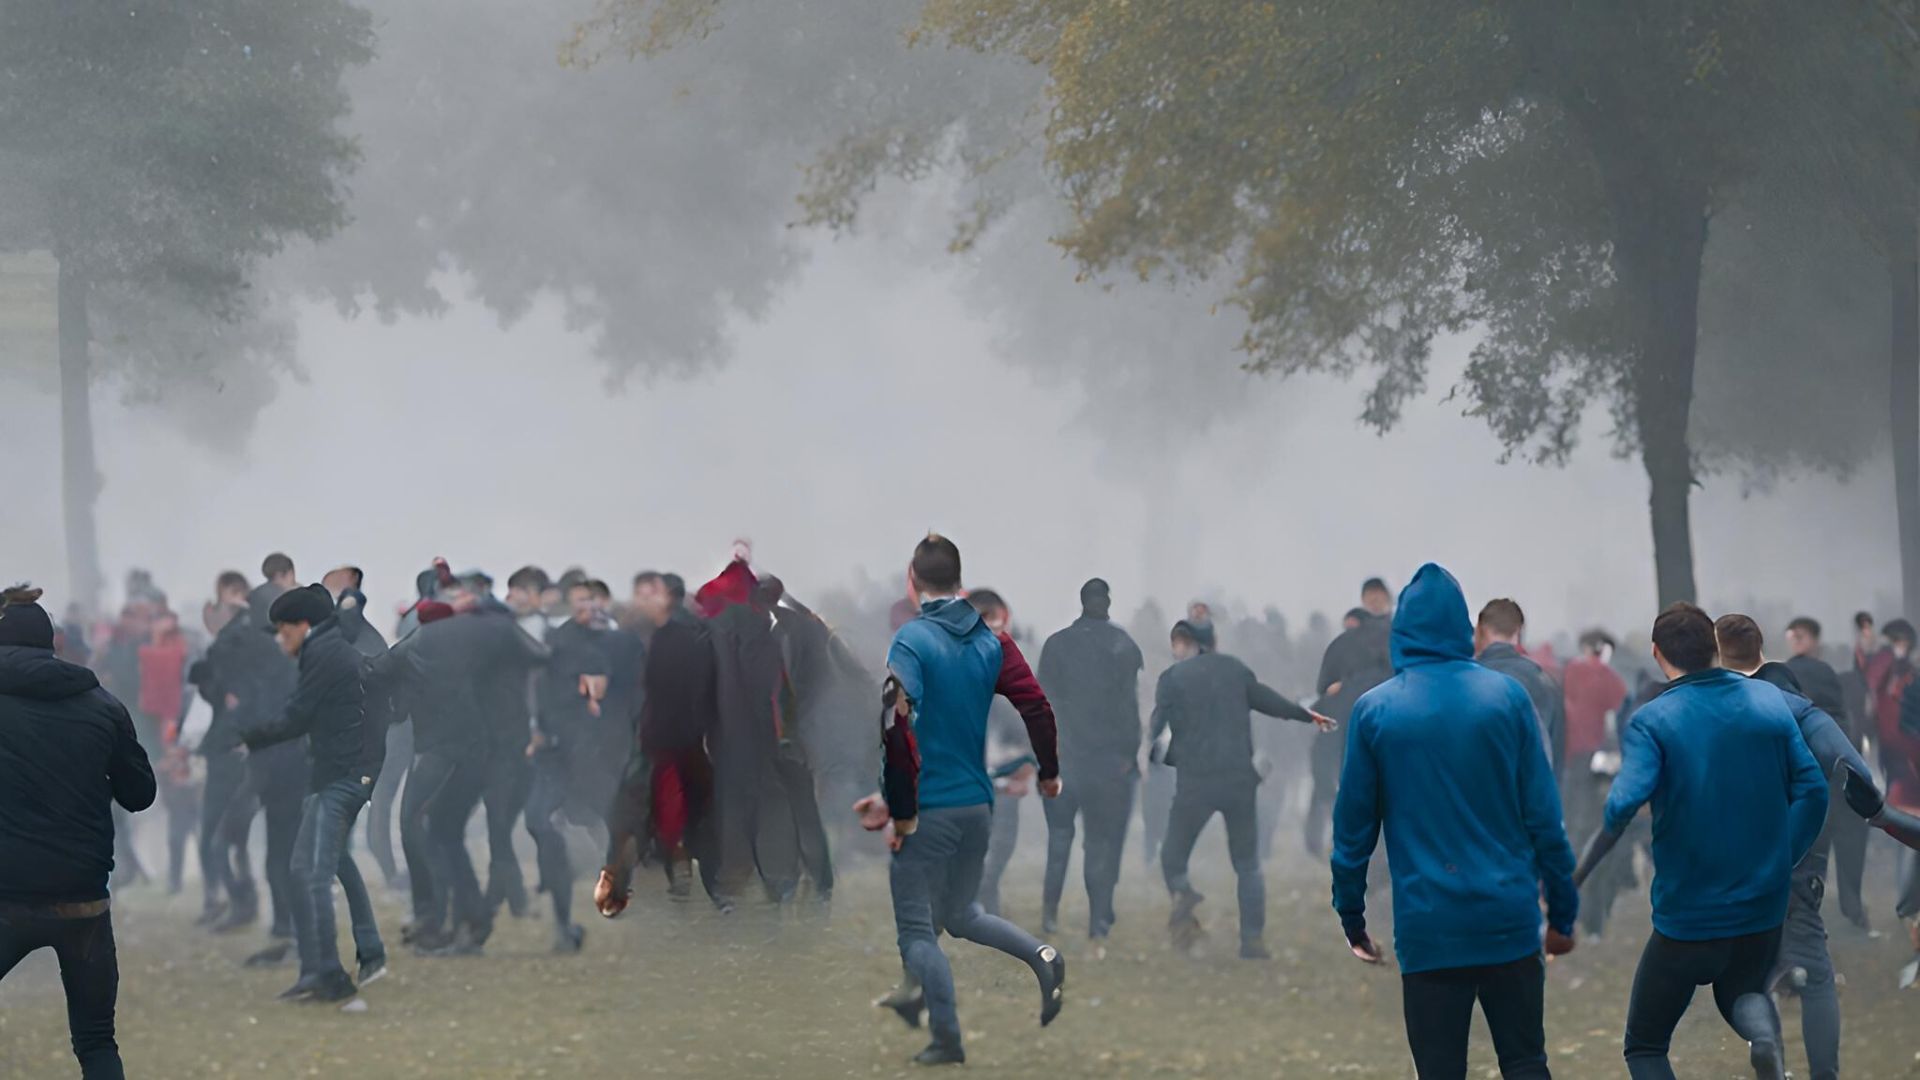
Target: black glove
[1864, 799]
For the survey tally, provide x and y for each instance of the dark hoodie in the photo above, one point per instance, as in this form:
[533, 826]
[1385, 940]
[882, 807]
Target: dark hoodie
[1091, 672]
[329, 707]
[67, 753]
[1446, 757]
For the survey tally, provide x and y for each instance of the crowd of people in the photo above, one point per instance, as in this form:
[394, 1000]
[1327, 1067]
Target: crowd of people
[719, 734]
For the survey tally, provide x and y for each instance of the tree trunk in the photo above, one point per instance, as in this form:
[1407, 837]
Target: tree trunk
[1903, 268]
[80, 477]
[1663, 240]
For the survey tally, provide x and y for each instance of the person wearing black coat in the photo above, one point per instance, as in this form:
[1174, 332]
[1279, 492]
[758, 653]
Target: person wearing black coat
[224, 859]
[1497, 645]
[506, 712]
[68, 754]
[329, 708]
[1091, 673]
[1355, 662]
[565, 741]
[260, 678]
[1846, 833]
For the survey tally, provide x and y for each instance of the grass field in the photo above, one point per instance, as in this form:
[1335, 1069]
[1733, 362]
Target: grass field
[681, 991]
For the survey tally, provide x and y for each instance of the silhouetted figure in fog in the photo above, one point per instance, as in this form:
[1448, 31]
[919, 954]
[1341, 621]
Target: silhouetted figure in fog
[1737, 801]
[224, 861]
[263, 681]
[68, 753]
[1497, 635]
[563, 746]
[945, 667]
[1206, 701]
[1355, 662]
[1010, 763]
[1091, 673]
[1846, 834]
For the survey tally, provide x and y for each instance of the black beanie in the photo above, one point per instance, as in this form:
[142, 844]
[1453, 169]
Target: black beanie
[1096, 599]
[26, 624]
[312, 604]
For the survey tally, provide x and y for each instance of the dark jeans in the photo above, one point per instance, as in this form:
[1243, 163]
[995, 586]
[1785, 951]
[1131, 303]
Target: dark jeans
[447, 817]
[1195, 801]
[277, 780]
[182, 803]
[1439, 1011]
[935, 878]
[1156, 803]
[223, 855]
[508, 781]
[1105, 806]
[810, 832]
[441, 789]
[1326, 757]
[89, 971]
[547, 798]
[1908, 904]
[1000, 845]
[385, 791]
[1849, 833]
[1664, 984]
[320, 855]
[1805, 967]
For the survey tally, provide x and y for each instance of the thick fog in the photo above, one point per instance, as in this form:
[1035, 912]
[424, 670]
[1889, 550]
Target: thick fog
[869, 406]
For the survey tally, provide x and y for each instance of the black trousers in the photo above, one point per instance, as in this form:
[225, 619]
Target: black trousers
[89, 970]
[223, 855]
[1663, 987]
[440, 795]
[509, 780]
[1105, 807]
[1439, 1011]
[1196, 798]
[552, 799]
[1849, 833]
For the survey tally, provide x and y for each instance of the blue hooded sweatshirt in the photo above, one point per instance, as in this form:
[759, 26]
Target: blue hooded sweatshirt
[948, 663]
[1737, 800]
[1446, 757]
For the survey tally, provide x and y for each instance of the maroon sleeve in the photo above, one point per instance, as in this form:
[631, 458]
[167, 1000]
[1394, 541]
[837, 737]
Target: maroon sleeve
[1018, 685]
[900, 757]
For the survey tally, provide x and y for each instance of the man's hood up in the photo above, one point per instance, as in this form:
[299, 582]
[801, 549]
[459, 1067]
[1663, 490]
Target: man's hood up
[1431, 625]
[955, 616]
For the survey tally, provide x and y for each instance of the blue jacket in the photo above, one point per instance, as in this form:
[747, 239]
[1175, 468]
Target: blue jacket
[1446, 757]
[948, 663]
[1737, 801]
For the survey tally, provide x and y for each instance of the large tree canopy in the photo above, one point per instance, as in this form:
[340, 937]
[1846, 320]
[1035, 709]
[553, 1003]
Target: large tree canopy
[158, 151]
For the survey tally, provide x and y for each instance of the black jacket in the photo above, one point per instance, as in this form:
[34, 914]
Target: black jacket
[682, 687]
[328, 707]
[1208, 702]
[577, 650]
[1091, 673]
[1356, 661]
[67, 752]
[505, 685]
[1821, 685]
[236, 653]
[1549, 703]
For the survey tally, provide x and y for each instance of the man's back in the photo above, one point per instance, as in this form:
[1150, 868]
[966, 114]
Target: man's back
[1446, 757]
[67, 750]
[1208, 701]
[1355, 662]
[948, 663]
[1821, 685]
[1721, 759]
[1548, 706]
[1090, 671]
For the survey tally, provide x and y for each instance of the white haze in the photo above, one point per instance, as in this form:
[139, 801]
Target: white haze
[868, 407]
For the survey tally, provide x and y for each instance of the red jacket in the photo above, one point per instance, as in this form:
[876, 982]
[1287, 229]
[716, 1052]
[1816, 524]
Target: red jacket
[1593, 689]
[163, 665]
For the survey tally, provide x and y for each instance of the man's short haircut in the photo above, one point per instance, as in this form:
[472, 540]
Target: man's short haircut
[1596, 639]
[531, 578]
[1187, 632]
[649, 577]
[1373, 584]
[676, 587]
[936, 564]
[1862, 620]
[986, 601]
[1503, 617]
[1899, 630]
[231, 579]
[1740, 641]
[1684, 635]
[600, 589]
[274, 565]
[1806, 624]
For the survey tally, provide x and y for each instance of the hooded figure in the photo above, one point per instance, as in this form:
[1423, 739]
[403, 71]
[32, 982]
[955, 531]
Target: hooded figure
[67, 754]
[1091, 673]
[1446, 757]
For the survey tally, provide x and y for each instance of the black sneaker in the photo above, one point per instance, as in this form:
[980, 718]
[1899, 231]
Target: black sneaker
[299, 991]
[941, 1053]
[1053, 984]
[568, 939]
[1254, 950]
[332, 989]
[372, 971]
[1050, 923]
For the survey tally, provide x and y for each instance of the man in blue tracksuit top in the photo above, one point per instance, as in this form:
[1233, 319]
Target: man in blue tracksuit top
[1737, 800]
[1446, 758]
[945, 668]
